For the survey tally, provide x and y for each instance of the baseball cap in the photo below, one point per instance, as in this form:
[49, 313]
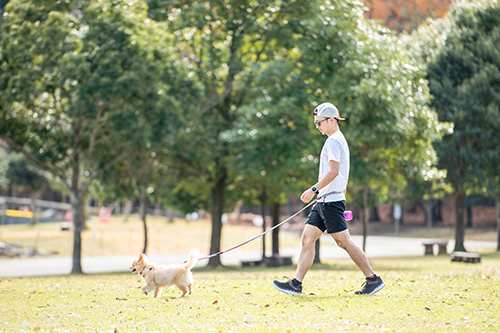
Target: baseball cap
[327, 110]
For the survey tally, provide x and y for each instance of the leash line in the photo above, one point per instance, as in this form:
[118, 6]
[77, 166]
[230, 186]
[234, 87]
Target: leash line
[261, 234]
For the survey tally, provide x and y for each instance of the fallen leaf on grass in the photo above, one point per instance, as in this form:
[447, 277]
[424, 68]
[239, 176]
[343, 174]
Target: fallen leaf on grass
[215, 302]
[121, 299]
[427, 308]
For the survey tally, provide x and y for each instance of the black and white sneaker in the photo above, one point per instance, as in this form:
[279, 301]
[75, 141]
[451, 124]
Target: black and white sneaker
[291, 287]
[371, 286]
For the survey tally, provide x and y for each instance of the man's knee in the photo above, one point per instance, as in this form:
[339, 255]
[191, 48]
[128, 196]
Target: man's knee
[342, 243]
[308, 241]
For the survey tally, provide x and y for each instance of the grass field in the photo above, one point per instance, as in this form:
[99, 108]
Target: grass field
[424, 294]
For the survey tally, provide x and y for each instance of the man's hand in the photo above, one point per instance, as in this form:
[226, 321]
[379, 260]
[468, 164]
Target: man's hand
[307, 195]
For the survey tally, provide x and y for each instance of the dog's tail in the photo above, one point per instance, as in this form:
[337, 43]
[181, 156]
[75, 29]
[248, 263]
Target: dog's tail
[192, 260]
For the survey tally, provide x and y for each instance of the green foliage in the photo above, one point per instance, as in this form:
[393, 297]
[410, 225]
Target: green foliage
[424, 45]
[368, 74]
[80, 85]
[79, 81]
[4, 164]
[465, 84]
[273, 135]
[237, 52]
[21, 174]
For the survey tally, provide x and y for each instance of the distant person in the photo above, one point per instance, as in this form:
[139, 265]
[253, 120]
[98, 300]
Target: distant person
[328, 213]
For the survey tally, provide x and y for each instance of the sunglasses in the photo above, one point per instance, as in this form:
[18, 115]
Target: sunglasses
[317, 123]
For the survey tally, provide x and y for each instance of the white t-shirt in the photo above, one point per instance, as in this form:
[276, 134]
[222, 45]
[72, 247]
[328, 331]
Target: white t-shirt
[334, 149]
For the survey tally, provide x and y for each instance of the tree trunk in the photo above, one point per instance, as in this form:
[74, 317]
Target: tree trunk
[469, 220]
[428, 213]
[144, 213]
[34, 218]
[366, 215]
[275, 215]
[217, 210]
[77, 208]
[263, 198]
[459, 221]
[498, 224]
[77, 202]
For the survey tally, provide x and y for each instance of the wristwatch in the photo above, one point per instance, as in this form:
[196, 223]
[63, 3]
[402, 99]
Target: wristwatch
[315, 190]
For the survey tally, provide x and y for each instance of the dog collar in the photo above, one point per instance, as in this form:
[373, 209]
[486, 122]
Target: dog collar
[146, 267]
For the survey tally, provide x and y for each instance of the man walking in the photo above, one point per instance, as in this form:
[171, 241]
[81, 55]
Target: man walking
[328, 212]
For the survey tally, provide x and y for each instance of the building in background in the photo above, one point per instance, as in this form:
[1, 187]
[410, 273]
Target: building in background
[405, 15]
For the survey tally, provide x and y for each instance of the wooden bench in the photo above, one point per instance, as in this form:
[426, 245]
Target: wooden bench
[276, 261]
[468, 257]
[429, 246]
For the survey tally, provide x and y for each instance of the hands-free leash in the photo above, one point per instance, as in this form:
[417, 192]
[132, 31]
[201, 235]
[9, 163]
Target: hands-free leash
[265, 232]
[259, 235]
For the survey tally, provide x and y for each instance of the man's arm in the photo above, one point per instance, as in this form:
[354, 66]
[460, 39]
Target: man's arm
[308, 194]
[333, 167]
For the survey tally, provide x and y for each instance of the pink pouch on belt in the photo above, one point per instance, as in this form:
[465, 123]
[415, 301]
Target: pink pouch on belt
[348, 215]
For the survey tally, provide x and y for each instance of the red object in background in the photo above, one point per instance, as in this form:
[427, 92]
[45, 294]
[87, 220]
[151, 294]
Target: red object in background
[68, 216]
[104, 214]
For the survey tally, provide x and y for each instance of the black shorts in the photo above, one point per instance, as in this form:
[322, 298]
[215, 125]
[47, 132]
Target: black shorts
[328, 216]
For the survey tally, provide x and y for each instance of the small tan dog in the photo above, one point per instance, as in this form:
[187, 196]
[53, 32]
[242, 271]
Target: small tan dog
[158, 277]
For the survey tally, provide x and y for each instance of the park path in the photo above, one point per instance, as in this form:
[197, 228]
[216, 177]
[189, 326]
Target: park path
[377, 246]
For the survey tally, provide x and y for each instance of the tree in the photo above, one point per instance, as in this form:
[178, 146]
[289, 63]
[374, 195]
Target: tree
[464, 83]
[273, 136]
[225, 44]
[142, 175]
[424, 45]
[367, 73]
[73, 75]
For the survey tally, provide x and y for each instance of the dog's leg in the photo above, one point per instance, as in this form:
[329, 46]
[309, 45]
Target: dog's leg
[184, 290]
[148, 288]
[158, 291]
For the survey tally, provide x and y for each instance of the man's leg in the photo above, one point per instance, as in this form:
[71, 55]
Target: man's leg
[373, 282]
[344, 240]
[309, 237]
[306, 258]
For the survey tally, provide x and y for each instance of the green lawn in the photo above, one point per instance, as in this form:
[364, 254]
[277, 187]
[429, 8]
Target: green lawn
[421, 295]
